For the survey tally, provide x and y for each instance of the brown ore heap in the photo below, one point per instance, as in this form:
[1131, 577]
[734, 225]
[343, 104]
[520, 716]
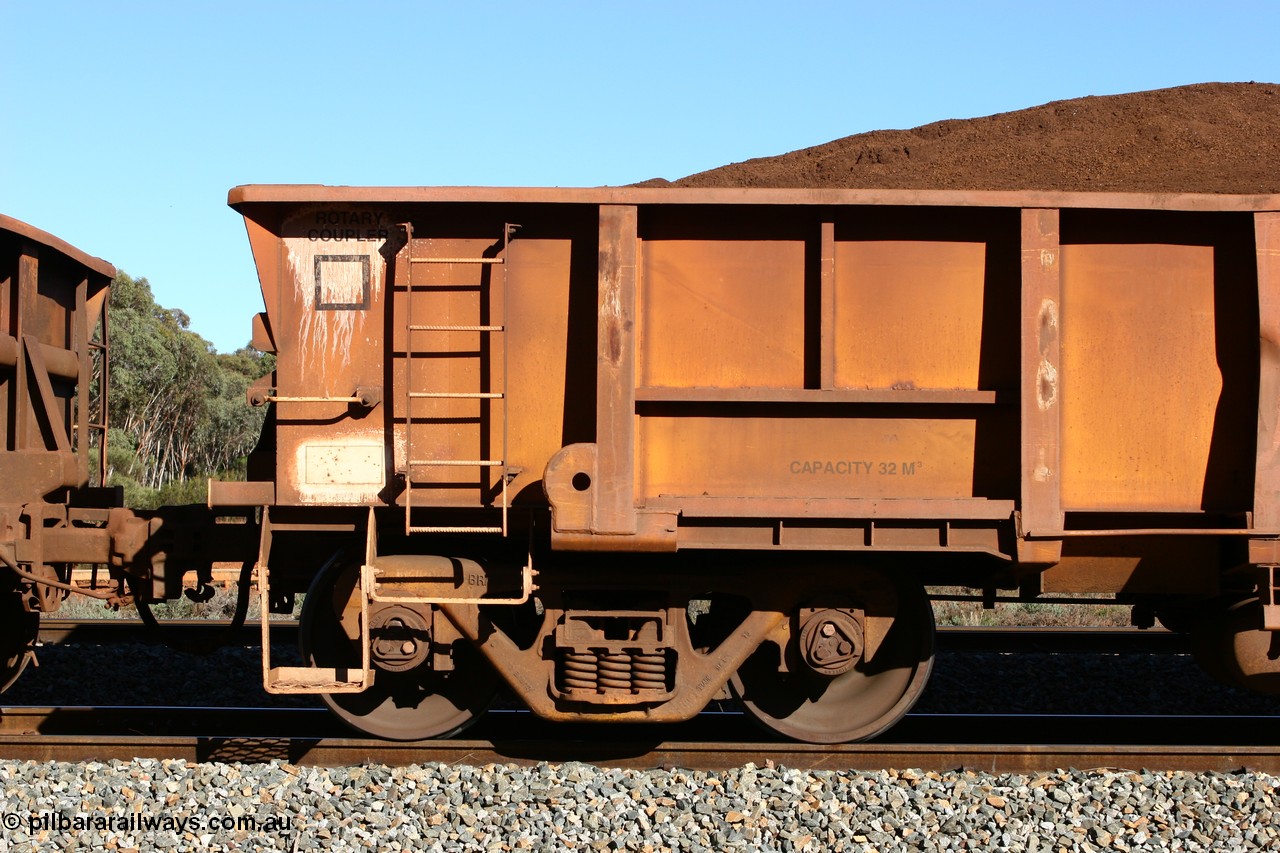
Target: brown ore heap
[1205, 138]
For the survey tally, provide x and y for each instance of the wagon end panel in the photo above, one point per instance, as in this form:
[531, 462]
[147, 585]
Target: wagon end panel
[425, 350]
[52, 299]
[324, 274]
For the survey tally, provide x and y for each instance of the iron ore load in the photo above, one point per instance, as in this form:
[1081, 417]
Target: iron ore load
[627, 451]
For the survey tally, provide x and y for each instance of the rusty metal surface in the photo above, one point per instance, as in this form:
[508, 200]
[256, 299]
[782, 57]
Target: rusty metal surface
[52, 306]
[1140, 380]
[784, 456]
[44, 238]
[1266, 496]
[612, 492]
[58, 520]
[770, 354]
[721, 395]
[329, 300]
[530, 673]
[925, 396]
[316, 193]
[1041, 488]
[695, 325]
[908, 313]
[51, 298]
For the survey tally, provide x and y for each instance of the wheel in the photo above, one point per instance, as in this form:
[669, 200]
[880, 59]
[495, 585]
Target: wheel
[19, 629]
[841, 698]
[408, 700]
[1231, 645]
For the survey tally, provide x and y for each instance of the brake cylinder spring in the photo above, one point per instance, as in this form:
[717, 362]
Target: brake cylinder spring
[581, 671]
[649, 671]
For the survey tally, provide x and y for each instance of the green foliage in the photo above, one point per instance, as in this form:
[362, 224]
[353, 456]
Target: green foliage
[177, 407]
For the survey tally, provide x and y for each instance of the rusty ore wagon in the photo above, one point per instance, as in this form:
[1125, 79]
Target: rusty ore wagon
[624, 449]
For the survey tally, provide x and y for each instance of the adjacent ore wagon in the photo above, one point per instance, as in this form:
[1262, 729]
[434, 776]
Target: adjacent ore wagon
[626, 449]
[52, 309]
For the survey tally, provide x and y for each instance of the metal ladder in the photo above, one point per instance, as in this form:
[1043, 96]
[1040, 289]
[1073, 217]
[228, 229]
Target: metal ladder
[497, 398]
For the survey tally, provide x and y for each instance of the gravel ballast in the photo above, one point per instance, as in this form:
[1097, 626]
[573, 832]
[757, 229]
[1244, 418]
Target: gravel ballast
[580, 807]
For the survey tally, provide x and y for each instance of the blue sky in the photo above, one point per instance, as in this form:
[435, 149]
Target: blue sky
[125, 123]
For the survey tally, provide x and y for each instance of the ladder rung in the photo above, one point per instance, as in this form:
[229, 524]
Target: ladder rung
[451, 395]
[457, 328]
[460, 463]
[413, 529]
[455, 260]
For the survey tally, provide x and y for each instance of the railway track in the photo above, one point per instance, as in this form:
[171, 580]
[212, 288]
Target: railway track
[949, 638]
[994, 744]
[57, 632]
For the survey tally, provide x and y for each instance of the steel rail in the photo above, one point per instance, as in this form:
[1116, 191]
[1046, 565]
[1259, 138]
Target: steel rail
[57, 632]
[311, 737]
[949, 638]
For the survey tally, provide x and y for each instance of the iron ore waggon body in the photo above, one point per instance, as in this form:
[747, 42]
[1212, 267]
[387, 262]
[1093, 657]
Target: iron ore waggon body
[626, 449]
[52, 306]
[54, 512]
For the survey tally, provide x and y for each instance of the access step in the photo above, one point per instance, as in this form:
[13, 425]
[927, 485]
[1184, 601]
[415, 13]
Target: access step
[315, 679]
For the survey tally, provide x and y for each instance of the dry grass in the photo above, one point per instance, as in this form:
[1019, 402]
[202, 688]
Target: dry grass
[221, 606]
[1046, 611]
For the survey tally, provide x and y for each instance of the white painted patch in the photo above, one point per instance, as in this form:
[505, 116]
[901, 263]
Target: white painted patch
[342, 465]
[326, 333]
[1048, 314]
[1047, 373]
[341, 282]
[1041, 473]
[353, 472]
[1046, 385]
[400, 450]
